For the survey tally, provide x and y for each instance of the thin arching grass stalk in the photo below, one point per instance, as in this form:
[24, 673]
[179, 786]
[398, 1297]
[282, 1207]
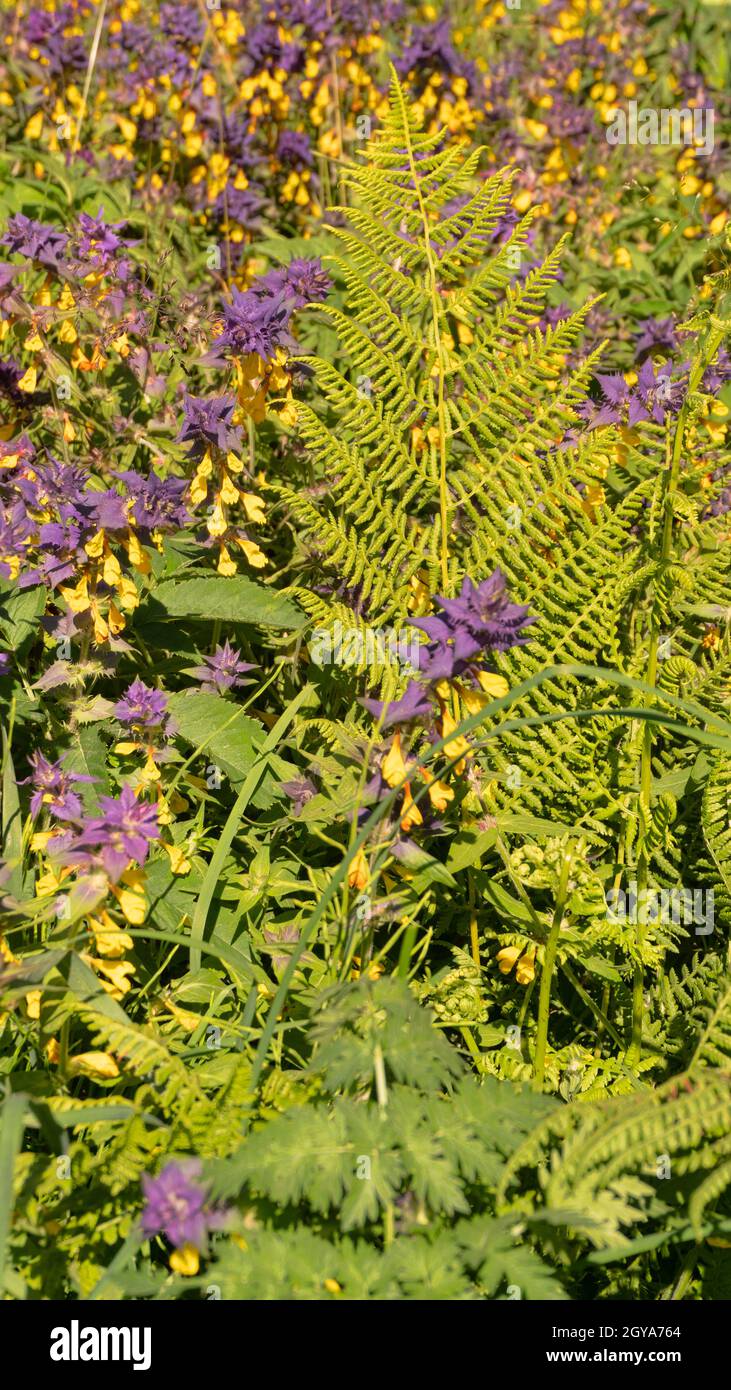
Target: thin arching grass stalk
[549, 963]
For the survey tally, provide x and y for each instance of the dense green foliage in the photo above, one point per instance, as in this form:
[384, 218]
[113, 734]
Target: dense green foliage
[442, 1005]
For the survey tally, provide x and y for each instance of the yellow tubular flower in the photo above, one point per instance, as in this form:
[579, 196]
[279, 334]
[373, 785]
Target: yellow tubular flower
[185, 1261]
[393, 767]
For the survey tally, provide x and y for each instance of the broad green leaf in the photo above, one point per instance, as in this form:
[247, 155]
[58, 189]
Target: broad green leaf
[234, 600]
[87, 756]
[219, 728]
[11, 1138]
[11, 824]
[20, 610]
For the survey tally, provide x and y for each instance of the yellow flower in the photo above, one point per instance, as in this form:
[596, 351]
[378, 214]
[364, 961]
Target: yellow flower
[137, 556]
[439, 793]
[493, 685]
[256, 557]
[509, 955]
[226, 565]
[506, 958]
[457, 747]
[150, 772]
[67, 333]
[526, 968]
[393, 766]
[358, 873]
[34, 126]
[179, 861]
[116, 982]
[229, 491]
[127, 594]
[410, 813]
[77, 598]
[419, 597]
[97, 1065]
[253, 506]
[109, 939]
[33, 1003]
[130, 896]
[28, 381]
[185, 1261]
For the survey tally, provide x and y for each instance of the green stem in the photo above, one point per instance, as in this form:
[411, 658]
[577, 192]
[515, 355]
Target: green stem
[549, 962]
[474, 934]
[379, 1076]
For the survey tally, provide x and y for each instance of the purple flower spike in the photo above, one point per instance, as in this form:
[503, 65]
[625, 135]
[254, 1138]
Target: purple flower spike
[253, 325]
[615, 394]
[176, 1205]
[209, 420]
[305, 282]
[414, 704]
[223, 670]
[121, 833]
[300, 790]
[98, 238]
[140, 706]
[655, 395]
[656, 335]
[484, 610]
[52, 788]
[37, 240]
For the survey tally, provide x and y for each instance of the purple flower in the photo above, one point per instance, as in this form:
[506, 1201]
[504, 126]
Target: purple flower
[294, 148]
[615, 394]
[258, 321]
[182, 23]
[176, 1205]
[431, 50]
[481, 617]
[36, 240]
[655, 396]
[157, 503]
[98, 238]
[656, 335]
[300, 790]
[107, 510]
[121, 833]
[718, 373]
[253, 324]
[4, 664]
[53, 35]
[223, 670]
[305, 282]
[414, 704]
[141, 707]
[265, 48]
[209, 421]
[52, 788]
[479, 621]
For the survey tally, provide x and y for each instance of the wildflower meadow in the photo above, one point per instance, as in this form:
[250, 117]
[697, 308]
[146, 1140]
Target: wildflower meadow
[365, 652]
